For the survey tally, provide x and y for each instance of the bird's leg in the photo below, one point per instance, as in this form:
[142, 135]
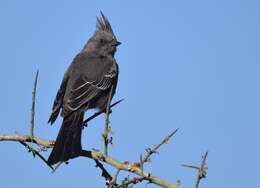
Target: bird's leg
[107, 127]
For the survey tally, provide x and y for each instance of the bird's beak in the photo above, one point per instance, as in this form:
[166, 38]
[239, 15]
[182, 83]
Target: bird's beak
[117, 43]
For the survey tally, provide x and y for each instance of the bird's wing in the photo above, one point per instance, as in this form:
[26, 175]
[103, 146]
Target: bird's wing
[57, 104]
[90, 83]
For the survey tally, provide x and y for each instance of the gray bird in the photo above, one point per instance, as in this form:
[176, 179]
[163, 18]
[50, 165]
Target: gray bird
[85, 85]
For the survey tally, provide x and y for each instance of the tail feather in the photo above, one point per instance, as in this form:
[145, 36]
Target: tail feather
[68, 142]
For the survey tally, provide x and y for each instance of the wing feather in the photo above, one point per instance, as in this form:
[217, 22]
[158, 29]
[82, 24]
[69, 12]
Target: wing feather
[83, 89]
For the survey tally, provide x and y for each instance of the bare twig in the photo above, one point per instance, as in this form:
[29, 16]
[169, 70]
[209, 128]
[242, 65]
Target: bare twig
[128, 167]
[141, 163]
[107, 128]
[202, 169]
[153, 150]
[33, 104]
[113, 183]
[105, 173]
[190, 166]
[35, 152]
[85, 123]
[57, 166]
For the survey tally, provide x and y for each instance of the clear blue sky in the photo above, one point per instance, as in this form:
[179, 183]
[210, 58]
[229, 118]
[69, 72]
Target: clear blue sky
[192, 65]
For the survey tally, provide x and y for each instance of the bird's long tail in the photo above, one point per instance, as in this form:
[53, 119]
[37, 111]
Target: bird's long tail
[68, 142]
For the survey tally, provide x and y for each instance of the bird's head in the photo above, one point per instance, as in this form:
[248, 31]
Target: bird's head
[103, 41]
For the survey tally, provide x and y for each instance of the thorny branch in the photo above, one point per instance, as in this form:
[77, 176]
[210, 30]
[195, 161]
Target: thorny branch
[202, 169]
[98, 157]
[153, 150]
[107, 128]
[33, 104]
[27, 138]
[127, 167]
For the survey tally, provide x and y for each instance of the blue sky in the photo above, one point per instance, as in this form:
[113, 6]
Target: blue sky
[192, 65]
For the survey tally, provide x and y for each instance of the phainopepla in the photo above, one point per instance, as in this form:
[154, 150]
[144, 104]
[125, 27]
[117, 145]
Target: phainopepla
[85, 85]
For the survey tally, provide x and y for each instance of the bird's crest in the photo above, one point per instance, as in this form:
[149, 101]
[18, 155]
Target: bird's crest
[103, 24]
